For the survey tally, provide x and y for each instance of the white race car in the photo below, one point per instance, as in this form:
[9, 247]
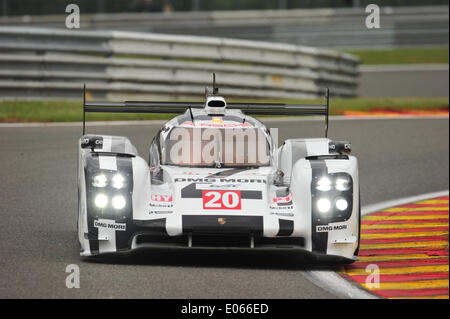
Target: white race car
[216, 179]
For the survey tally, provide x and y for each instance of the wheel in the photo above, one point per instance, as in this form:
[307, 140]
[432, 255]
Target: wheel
[359, 227]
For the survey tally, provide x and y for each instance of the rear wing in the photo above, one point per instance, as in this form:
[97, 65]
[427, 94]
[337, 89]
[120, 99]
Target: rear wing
[181, 107]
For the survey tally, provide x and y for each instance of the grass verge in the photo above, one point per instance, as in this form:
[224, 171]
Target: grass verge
[52, 111]
[403, 56]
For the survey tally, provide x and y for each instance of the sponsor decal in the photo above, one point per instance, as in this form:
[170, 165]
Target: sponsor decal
[222, 220]
[93, 142]
[110, 225]
[284, 202]
[191, 191]
[160, 212]
[216, 123]
[161, 198]
[215, 186]
[283, 214]
[281, 207]
[161, 205]
[222, 180]
[221, 199]
[286, 199]
[330, 228]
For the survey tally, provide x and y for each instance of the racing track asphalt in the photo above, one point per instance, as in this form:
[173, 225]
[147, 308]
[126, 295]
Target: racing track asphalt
[403, 80]
[38, 206]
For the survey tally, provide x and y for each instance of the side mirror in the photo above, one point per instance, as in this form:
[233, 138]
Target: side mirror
[92, 142]
[341, 147]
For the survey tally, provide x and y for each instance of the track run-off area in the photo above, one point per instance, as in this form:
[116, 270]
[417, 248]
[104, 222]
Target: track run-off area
[398, 157]
[407, 247]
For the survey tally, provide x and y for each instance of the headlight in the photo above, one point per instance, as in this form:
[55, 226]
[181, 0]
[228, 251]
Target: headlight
[332, 197]
[341, 204]
[118, 181]
[342, 184]
[324, 184]
[119, 202]
[99, 180]
[101, 200]
[323, 205]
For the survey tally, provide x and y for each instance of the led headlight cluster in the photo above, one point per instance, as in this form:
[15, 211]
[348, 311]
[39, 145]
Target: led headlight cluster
[333, 194]
[342, 184]
[324, 204]
[324, 184]
[99, 180]
[341, 204]
[327, 183]
[117, 181]
[102, 200]
[105, 188]
[119, 202]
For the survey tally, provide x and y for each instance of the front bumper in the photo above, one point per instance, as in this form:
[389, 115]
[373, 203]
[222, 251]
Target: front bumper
[216, 232]
[215, 241]
[153, 242]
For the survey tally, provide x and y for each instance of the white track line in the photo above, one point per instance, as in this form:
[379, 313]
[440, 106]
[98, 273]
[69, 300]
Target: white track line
[263, 119]
[396, 202]
[340, 287]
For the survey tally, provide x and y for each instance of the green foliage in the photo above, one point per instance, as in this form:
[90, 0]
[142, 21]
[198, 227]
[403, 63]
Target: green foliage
[46, 111]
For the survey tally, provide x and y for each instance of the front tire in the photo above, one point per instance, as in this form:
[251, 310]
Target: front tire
[359, 227]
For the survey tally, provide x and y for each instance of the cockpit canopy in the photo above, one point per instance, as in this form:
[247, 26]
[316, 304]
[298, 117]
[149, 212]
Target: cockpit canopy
[215, 146]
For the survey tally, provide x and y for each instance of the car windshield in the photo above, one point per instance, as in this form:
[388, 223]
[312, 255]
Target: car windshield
[215, 147]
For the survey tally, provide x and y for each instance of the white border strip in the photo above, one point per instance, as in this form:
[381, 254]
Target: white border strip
[340, 287]
[262, 119]
[368, 209]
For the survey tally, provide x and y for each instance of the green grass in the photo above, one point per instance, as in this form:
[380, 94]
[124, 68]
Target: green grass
[39, 111]
[403, 56]
[54, 111]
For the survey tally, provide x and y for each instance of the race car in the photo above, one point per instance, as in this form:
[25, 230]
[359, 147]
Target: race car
[216, 179]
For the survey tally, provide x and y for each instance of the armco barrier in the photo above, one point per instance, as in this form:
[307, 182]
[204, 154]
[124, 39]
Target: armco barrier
[53, 64]
[327, 27]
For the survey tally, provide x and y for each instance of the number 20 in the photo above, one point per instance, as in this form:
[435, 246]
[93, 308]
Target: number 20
[221, 200]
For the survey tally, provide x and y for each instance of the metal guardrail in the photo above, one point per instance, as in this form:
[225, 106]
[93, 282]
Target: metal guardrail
[54, 63]
[329, 28]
